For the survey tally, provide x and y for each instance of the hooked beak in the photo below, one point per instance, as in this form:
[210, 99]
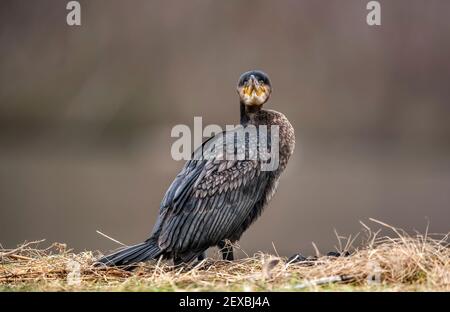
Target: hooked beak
[252, 85]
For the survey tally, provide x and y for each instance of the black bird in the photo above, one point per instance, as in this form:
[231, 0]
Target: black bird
[213, 201]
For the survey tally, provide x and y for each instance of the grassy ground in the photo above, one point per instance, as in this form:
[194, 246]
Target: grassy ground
[399, 263]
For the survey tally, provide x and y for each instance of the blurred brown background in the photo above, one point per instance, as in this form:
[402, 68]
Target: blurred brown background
[86, 113]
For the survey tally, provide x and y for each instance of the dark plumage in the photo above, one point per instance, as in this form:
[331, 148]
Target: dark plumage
[212, 201]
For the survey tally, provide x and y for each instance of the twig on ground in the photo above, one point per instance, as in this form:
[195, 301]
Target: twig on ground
[18, 249]
[110, 238]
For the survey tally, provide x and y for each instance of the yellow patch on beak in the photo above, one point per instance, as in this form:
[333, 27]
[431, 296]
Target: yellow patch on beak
[260, 90]
[249, 90]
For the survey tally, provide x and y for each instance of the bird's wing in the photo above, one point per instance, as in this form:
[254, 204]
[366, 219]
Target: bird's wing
[209, 199]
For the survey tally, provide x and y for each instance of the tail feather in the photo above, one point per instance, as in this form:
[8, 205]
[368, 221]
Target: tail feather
[131, 255]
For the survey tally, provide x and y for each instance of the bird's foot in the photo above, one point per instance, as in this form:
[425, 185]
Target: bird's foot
[199, 262]
[338, 254]
[312, 260]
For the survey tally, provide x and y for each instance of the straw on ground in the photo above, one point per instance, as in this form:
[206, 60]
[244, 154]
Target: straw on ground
[397, 262]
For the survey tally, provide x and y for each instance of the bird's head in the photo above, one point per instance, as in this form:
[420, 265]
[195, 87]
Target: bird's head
[254, 88]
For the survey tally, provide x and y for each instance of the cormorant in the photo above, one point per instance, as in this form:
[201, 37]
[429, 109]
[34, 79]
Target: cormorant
[213, 201]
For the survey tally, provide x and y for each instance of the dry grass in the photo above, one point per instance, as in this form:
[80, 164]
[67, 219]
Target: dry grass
[399, 263]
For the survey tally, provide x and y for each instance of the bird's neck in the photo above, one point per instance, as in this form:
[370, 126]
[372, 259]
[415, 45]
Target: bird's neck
[249, 114]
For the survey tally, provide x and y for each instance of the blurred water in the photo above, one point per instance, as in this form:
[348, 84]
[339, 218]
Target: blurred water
[86, 113]
[64, 196]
